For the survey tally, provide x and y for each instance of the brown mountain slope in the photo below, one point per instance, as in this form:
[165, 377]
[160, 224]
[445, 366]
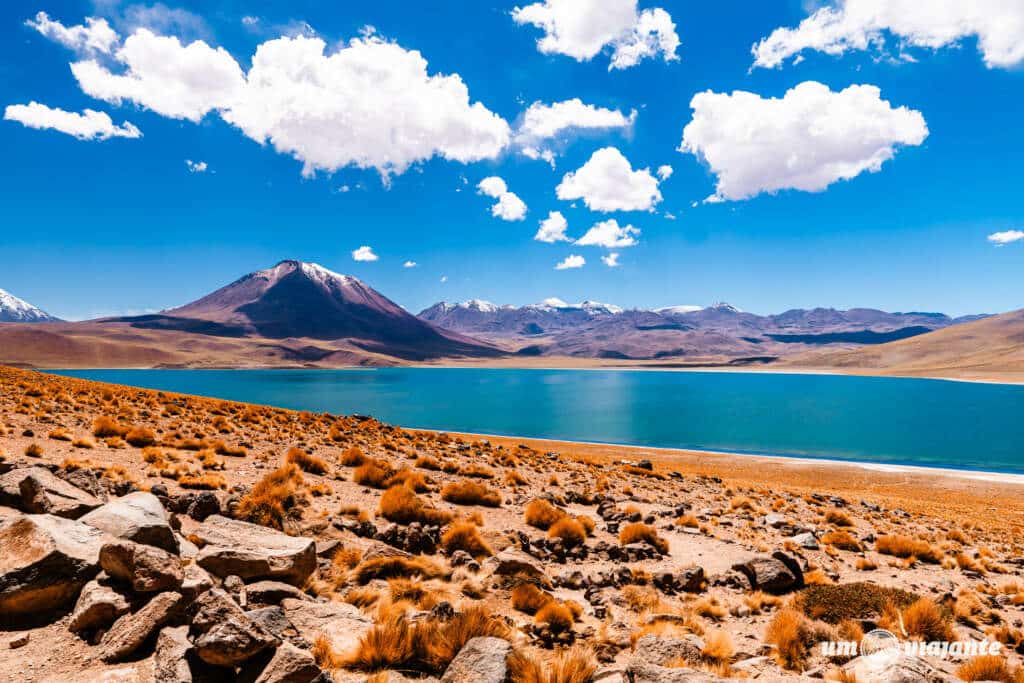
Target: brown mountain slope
[987, 349]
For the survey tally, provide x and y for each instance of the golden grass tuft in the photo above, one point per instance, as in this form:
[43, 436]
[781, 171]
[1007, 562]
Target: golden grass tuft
[104, 427]
[841, 539]
[373, 473]
[352, 457]
[718, 646]
[639, 532]
[570, 531]
[923, 620]
[396, 567]
[528, 598]
[470, 493]
[401, 505]
[464, 535]
[989, 668]
[788, 632]
[140, 437]
[575, 665]
[541, 514]
[838, 517]
[270, 500]
[34, 450]
[906, 547]
[305, 461]
[556, 616]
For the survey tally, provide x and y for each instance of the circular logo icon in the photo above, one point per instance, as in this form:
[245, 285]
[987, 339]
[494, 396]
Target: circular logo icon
[880, 644]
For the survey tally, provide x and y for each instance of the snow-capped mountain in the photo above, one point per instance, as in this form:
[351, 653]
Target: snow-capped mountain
[15, 310]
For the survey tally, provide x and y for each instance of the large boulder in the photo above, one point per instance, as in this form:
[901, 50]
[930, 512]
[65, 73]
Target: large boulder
[230, 547]
[137, 517]
[481, 660]
[777, 574]
[170, 657]
[341, 623]
[38, 491]
[894, 667]
[44, 562]
[223, 634]
[131, 631]
[515, 563]
[146, 568]
[288, 664]
[661, 650]
[98, 607]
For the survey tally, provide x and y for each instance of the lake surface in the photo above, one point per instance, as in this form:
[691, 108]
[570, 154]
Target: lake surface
[886, 420]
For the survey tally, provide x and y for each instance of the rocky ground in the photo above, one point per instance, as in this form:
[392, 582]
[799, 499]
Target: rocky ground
[150, 536]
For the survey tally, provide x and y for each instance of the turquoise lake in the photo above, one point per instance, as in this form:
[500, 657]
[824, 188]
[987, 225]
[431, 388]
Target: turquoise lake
[885, 420]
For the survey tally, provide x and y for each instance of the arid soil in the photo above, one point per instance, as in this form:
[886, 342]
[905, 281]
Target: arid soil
[463, 558]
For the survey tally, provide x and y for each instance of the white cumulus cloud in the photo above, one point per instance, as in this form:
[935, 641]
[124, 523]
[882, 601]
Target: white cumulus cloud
[610, 235]
[509, 206]
[583, 28]
[95, 35]
[409, 264]
[364, 253]
[545, 127]
[611, 260]
[847, 25]
[1006, 237]
[607, 182]
[807, 140]
[571, 261]
[368, 104]
[89, 125]
[664, 172]
[196, 166]
[552, 229]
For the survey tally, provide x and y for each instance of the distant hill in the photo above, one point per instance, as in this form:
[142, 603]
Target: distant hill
[989, 348]
[596, 330]
[292, 314]
[15, 310]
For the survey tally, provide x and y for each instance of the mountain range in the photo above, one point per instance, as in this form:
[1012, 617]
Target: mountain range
[302, 314]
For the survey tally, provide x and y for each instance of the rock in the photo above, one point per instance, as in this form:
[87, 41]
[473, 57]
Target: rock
[203, 506]
[509, 563]
[271, 593]
[805, 540]
[146, 568]
[253, 552]
[85, 480]
[895, 668]
[132, 630]
[18, 640]
[660, 650]
[39, 491]
[275, 622]
[692, 579]
[642, 672]
[223, 634]
[196, 582]
[170, 658]
[775, 521]
[481, 660]
[288, 664]
[44, 562]
[343, 624]
[645, 465]
[137, 517]
[776, 574]
[98, 606]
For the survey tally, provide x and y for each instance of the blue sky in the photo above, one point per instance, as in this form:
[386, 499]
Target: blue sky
[96, 227]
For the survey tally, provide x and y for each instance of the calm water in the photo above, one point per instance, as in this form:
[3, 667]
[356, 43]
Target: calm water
[903, 421]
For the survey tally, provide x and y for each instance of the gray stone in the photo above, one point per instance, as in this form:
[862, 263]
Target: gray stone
[509, 563]
[223, 634]
[98, 606]
[170, 658]
[253, 552]
[805, 540]
[341, 623]
[137, 517]
[481, 660]
[777, 574]
[196, 581]
[898, 668]
[44, 563]
[288, 664]
[38, 491]
[146, 568]
[275, 622]
[132, 630]
[271, 593]
[660, 650]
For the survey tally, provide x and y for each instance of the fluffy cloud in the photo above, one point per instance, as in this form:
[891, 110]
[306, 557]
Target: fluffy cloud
[571, 261]
[610, 235]
[369, 104]
[611, 260]
[1003, 238]
[89, 125]
[544, 124]
[509, 206]
[364, 253]
[583, 28]
[607, 182]
[160, 74]
[552, 229]
[196, 166]
[862, 25]
[409, 264]
[807, 140]
[94, 36]
[664, 172]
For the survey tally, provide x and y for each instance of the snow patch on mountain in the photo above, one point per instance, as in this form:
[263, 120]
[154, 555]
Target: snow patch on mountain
[13, 309]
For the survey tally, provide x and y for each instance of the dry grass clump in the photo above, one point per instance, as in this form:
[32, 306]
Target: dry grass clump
[542, 514]
[362, 597]
[477, 471]
[373, 473]
[990, 668]
[570, 531]
[790, 633]
[759, 601]
[207, 481]
[305, 461]
[514, 478]
[104, 427]
[271, 499]
[396, 567]
[140, 437]
[906, 547]
[352, 457]
[639, 532]
[718, 646]
[557, 616]
[34, 450]
[838, 517]
[401, 505]
[60, 434]
[426, 462]
[841, 539]
[470, 493]
[413, 480]
[528, 598]
[83, 442]
[427, 646]
[575, 665]
[859, 600]
[923, 620]
[464, 535]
